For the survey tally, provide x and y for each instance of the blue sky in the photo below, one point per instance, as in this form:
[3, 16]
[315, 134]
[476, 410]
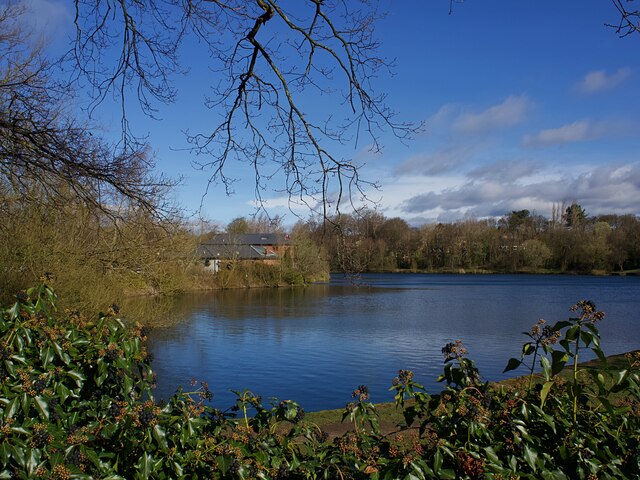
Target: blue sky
[525, 105]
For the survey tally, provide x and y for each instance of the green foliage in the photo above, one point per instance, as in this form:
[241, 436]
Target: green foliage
[94, 260]
[76, 402]
[255, 273]
[238, 225]
[574, 215]
[536, 254]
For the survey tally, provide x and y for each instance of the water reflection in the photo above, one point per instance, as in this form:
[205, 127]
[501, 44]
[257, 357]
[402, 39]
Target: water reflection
[316, 344]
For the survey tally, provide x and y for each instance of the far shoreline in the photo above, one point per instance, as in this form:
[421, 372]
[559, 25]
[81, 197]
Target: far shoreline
[482, 271]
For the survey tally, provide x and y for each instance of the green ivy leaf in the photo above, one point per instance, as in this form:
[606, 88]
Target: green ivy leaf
[14, 311]
[531, 457]
[63, 392]
[572, 333]
[145, 465]
[417, 472]
[566, 345]
[46, 356]
[12, 409]
[25, 402]
[33, 459]
[42, 407]
[160, 436]
[178, 469]
[528, 348]
[546, 368]
[558, 361]
[512, 365]
[19, 454]
[77, 376]
[546, 388]
[447, 474]
[4, 452]
[492, 456]
[562, 324]
[554, 475]
[586, 337]
[437, 462]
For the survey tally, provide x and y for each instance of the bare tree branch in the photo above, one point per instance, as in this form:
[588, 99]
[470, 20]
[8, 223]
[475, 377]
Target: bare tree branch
[271, 57]
[46, 150]
[629, 21]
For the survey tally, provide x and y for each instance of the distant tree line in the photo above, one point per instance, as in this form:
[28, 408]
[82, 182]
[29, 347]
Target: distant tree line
[570, 240]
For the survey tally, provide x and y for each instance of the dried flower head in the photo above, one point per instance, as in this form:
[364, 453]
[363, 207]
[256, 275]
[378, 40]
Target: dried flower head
[544, 334]
[454, 350]
[46, 277]
[404, 377]
[60, 472]
[634, 358]
[469, 465]
[588, 311]
[362, 393]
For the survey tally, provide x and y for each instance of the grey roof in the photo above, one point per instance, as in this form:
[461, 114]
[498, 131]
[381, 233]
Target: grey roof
[249, 246]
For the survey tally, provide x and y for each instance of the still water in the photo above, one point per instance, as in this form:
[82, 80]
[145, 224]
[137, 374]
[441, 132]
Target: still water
[315, 345]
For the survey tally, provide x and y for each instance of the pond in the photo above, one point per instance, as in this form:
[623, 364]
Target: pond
[315, 345]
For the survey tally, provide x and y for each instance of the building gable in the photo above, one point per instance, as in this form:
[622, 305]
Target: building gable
[250, 246]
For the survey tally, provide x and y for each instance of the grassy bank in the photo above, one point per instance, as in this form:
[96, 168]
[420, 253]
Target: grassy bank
[391, 417]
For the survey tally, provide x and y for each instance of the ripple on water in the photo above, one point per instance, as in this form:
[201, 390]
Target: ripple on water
[317, 345]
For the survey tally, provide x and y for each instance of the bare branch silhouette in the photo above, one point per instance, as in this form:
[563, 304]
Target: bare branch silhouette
[269, 58]
[44, 150]
[629, 21]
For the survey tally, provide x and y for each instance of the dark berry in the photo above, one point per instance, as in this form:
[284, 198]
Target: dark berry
[283, 472]
[114, 409]
[234, 467]
[147, 416]
[5, 353]
[112, 355]
[40, 439]
[39, 385]
[76, 458]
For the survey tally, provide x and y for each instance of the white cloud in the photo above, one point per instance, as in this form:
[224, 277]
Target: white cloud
[570, 133]
[610, 188]
[505, 170]
[440, 122]
[446, 159]
[457, 199]
[508, 113]
[600, 80]
[604, 189]
[583, 131]
[368, 153]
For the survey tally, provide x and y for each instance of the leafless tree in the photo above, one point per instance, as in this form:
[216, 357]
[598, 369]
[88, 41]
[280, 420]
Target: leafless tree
[46, 152]
[629, 21]
[268, 56]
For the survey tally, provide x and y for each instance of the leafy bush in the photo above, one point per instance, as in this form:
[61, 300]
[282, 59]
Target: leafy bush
[76, 402]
